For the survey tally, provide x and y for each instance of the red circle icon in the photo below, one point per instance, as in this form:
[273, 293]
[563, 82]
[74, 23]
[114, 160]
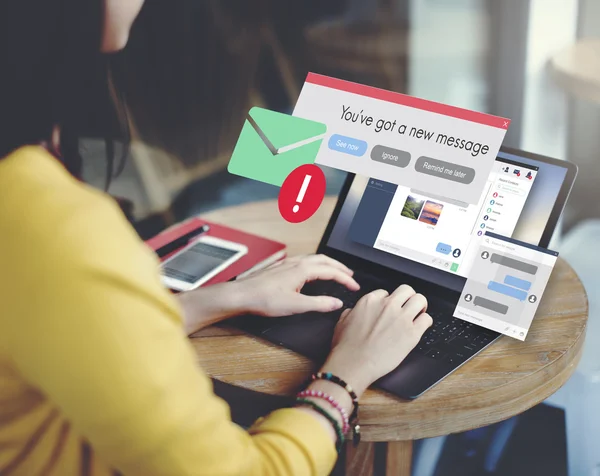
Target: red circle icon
[495, 194]
[302, 193]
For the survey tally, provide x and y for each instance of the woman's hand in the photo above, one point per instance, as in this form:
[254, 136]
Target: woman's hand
[372, 339]
[275, 291]
[272, 292]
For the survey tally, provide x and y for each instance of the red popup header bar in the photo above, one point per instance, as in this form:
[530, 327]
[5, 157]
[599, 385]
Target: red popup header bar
[410, 101]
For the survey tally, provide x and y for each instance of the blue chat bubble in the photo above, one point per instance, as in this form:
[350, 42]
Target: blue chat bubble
[517, 282]
[507, 290]
[443, 248]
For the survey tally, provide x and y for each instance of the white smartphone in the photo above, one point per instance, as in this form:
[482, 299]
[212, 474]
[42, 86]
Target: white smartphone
[199, 261]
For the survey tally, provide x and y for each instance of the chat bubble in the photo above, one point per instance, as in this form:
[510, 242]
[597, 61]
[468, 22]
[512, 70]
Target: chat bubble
[491, 305]
[507, 290]
[517, 282]
[513, 263]
[443, 248]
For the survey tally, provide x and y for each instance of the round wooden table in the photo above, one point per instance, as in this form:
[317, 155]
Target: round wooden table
[504, 380]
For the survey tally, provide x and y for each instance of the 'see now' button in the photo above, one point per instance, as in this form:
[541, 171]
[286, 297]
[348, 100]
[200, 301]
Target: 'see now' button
[347, 145]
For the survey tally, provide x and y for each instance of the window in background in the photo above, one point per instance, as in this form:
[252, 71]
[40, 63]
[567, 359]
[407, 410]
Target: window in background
[449, 51]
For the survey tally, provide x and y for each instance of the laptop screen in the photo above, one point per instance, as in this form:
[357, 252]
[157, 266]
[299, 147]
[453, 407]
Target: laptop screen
[433, 238]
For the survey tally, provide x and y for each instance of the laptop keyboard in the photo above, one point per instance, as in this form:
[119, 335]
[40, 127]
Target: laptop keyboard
[449, 339]
[452, 340]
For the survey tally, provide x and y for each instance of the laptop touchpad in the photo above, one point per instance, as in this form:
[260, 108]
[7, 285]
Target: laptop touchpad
[308, 334]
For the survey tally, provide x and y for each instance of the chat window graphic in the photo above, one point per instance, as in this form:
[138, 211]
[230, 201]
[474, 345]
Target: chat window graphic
[505, 285]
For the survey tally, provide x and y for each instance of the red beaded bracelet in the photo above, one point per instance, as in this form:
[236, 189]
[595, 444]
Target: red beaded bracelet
[354, 416]
[332, 401]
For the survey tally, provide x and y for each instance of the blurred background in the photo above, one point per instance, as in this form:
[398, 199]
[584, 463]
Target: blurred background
[193, 68]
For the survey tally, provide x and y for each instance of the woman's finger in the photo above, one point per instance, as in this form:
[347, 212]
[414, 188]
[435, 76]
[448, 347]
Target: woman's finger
[423, 322]
[329, 273]
[400, 296]
[377, 294]
[300, 303]
[402, 290]
[345, 314]
[416, 305]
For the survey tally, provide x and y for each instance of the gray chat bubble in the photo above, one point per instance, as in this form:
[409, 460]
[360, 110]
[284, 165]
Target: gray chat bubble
[491, 305]
[513, 263]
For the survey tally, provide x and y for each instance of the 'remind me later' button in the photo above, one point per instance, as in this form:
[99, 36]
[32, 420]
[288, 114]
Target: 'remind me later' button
[445, 170]
[387, 155]
[347, 145]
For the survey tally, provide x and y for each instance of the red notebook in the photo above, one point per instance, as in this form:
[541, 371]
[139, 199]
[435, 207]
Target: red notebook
[262, 252]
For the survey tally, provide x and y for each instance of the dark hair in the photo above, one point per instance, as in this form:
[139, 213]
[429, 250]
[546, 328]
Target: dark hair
[190, 67]
[53, 73]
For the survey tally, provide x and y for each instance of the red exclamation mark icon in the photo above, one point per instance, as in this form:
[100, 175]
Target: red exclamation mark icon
[302, 193]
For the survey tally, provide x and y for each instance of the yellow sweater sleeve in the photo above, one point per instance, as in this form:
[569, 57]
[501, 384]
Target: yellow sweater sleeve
[101, 338]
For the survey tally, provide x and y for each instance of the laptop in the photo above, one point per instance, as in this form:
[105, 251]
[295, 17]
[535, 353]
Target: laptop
[390, 235]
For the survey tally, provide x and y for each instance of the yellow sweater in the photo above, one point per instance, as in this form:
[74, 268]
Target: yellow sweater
[96, 374]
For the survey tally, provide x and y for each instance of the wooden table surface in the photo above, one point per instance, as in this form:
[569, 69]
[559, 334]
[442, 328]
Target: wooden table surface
[504, 380]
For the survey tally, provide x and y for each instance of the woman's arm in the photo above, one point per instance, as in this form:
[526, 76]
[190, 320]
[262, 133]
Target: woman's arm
[206, 306]
[122, 371]
[92, 328]
[102, 340]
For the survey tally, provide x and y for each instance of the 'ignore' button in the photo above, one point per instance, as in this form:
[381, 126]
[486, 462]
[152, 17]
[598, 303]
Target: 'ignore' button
[348, 145]
[445, 170]
[387, 155]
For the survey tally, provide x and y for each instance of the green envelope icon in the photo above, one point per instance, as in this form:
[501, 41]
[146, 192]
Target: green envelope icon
[272, 145]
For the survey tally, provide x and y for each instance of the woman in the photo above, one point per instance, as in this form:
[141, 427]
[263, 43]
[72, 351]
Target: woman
[96, 374]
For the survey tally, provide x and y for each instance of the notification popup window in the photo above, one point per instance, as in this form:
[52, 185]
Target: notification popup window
[505, 285]
[428, 146]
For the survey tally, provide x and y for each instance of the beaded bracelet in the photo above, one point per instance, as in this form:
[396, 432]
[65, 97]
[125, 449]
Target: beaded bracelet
[332, 402]
[354, 416]
[336, 426]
